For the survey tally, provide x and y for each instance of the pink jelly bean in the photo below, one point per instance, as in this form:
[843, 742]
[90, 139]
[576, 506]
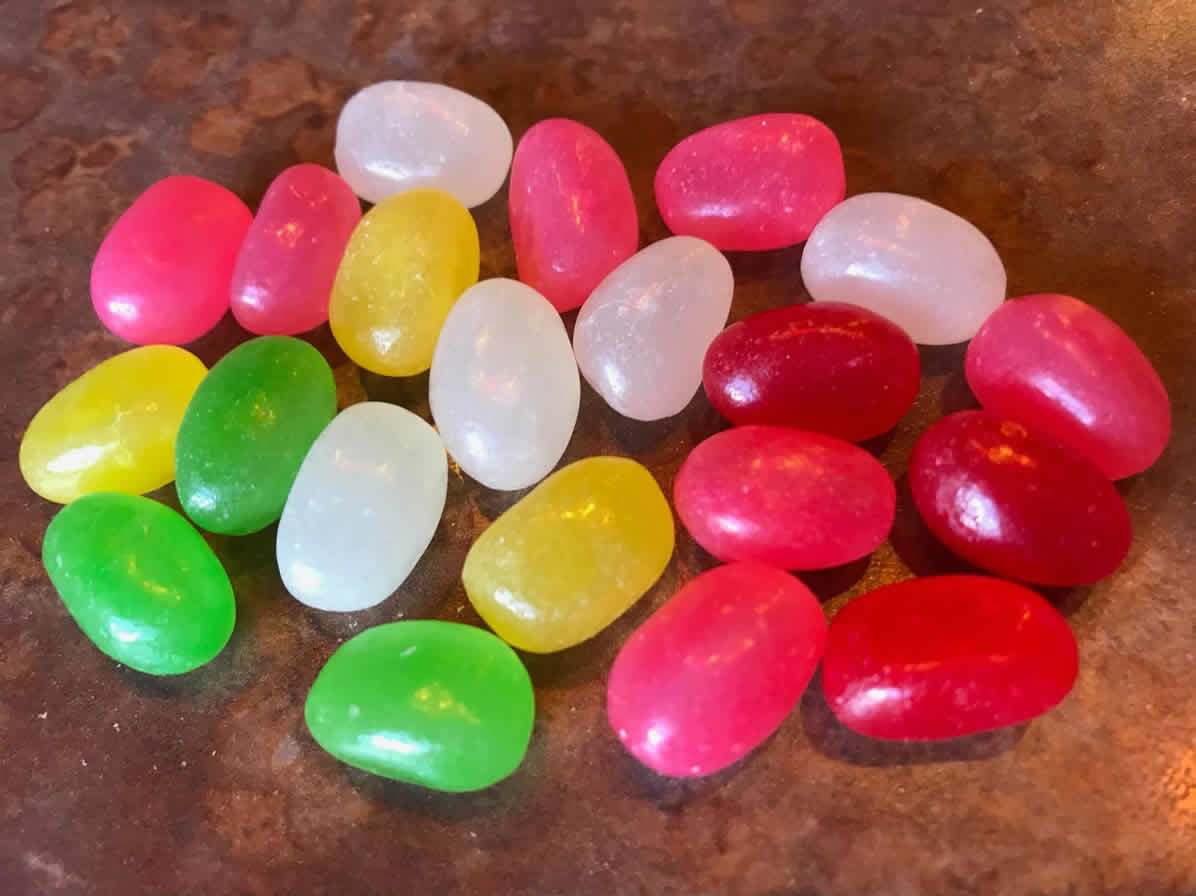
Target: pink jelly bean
[573, 217]
[163, 271]
[753, 183]
[288, 261]
[1063, 368]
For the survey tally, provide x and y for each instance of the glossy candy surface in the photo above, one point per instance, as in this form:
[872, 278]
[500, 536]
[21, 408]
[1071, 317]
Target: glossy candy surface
[823, 366]
[504, 388]
[288, 261]
[929, 271]
[1016, 503]
[784, 497]
[162, 273]
[247, 430]
[641, 336]
[442, 705]
[1061, 366]
[407, 262]
[365, 504]
[395, 136]
[946, 656]
[713, 672]
[112, 429]
[572, 555]
[141, 582]
[573, 217]
[761, 182]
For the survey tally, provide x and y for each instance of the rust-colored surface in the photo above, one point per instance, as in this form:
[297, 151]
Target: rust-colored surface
[1065, 130]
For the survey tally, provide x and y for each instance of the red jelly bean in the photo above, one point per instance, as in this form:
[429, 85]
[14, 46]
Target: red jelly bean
[573, 217]
[1016, 503]
[714, 672]
[825, 366]
[289, 259]
[1067, 370]
[162, 274]
[753, 183]
[945, 656]
[784, 497]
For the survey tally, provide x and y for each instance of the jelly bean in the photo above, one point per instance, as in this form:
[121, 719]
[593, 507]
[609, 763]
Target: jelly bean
[162, 273]
[438, 704]
[946, 656]
[784, 497]
[929, 271]
[641, 336]
[288, 261]
[504, 388]
[141, 583]
[363, 508]
[247, 430]
[1015, 503]
[573, 217]
[1064, 368]
[572, 555]
[754, 183]
[112, 429]
[714, 671]
[407, 262]
[395, 136]
[824, 366]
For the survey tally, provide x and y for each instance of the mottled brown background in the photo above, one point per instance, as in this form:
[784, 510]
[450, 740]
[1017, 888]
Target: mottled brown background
[1065, 130]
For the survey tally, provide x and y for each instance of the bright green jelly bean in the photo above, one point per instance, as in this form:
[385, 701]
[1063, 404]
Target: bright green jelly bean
[247, 430]
[141, 582]
[439, 704]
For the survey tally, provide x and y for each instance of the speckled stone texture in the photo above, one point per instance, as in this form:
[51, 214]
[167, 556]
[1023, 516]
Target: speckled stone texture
[1063, 130]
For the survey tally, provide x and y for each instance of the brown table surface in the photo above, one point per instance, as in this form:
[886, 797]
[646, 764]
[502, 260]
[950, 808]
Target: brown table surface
[1065, 130]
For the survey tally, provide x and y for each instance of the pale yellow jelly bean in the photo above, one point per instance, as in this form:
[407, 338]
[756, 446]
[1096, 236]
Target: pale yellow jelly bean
[113, 428]
[572, 555]
[407, 262]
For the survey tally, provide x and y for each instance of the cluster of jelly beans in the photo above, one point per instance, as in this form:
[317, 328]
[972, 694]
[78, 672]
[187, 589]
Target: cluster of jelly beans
[1022, 488]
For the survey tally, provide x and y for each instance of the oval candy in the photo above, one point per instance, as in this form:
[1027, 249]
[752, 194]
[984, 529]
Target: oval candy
[716, 670]
[946, 656]
[438, 704]
[1015, 503]
[504, 388]
[163, 271]
[395, 136]
[824, 366]
[286, 265]
[141, 583]
[573, 217]
[1065, 369]
[929, 271]
[364, 507]
[754, 183]
[247, 430]
[641, 336]
[572, 555]
[407, 262]
[112, 429]
[784, 498]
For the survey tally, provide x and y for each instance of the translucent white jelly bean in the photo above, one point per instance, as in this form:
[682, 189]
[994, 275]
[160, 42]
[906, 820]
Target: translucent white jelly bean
[504, 387]
[398, 135]
[929, 271]
[363, 508]
[642, 334]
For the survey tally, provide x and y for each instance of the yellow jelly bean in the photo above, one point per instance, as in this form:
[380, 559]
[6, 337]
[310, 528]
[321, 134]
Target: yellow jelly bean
[408, 261]
[112, 429]
[572, 555]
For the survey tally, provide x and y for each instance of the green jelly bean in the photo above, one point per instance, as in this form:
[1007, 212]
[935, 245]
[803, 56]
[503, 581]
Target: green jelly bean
[439, 704]
[247, 430]
[141, 582]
